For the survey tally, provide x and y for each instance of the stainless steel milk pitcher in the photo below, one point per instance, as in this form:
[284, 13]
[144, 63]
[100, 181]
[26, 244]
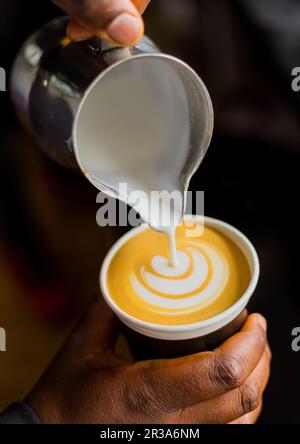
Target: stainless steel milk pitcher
[83, 100]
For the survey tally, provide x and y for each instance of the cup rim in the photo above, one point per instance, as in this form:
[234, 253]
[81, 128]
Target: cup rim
[244, 243]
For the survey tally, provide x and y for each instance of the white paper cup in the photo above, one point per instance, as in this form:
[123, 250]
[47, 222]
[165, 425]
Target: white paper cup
[198, 335]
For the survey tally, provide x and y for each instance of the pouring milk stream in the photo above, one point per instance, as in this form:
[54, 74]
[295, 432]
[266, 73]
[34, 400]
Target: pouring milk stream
[134, 116]
[145, 138]
[141, 118]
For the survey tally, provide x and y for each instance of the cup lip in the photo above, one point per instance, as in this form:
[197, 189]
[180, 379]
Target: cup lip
[155, 55]
[245, 244]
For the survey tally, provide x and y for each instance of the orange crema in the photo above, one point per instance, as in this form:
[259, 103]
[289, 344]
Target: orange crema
[212, 274]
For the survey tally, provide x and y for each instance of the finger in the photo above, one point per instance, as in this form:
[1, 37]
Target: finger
[233, 405]
[97, 331]
[141, 5]
[269, 352]
[78, 32]
[118, 21]
[179, 383]
[250, 418]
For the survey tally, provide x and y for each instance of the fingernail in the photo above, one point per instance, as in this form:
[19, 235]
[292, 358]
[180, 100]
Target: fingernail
[262, 322]
[124, 29]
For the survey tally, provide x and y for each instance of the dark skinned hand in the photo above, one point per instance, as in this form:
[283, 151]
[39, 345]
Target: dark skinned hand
[89, 383]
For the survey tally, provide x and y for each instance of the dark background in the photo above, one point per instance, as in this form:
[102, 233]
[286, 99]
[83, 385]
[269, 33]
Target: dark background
[250, 175]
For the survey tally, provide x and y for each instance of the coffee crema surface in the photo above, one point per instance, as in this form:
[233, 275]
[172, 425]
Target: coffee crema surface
[211, 275]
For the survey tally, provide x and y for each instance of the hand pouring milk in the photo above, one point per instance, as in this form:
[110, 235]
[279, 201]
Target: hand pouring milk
[133, 116]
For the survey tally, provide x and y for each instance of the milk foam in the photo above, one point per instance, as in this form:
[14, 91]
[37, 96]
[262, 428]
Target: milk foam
[210, 274]
[185, 287]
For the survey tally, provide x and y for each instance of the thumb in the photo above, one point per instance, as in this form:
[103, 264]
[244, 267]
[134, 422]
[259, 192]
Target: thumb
[117, 21]
[97, 331]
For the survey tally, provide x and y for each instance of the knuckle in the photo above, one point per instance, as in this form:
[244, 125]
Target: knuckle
[249, 398]
[227, 372]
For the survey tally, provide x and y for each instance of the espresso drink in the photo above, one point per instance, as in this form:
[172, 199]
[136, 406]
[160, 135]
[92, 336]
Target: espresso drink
[207, 276]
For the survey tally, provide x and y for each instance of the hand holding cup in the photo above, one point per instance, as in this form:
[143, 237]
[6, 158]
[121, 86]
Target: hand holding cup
[89, 383]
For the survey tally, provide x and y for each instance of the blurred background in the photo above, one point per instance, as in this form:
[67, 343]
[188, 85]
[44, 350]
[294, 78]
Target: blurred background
[50, 245]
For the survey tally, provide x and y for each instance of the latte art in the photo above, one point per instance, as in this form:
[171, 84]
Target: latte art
[211, 274]
[187, 287]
